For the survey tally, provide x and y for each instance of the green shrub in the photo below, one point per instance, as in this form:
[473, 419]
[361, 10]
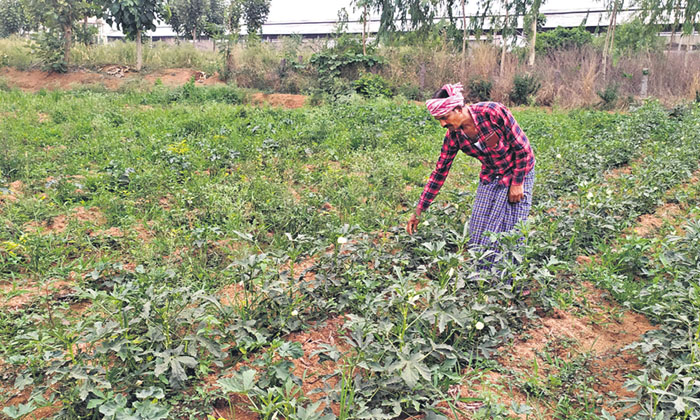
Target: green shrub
[525, 87]
[480, 90]
[48, 47]
[636, 35]
[372, 86]
[411, 92]
[608, 97]
[333, 64]
[562, 38]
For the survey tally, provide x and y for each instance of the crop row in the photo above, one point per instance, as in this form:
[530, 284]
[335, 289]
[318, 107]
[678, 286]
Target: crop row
[420, 308]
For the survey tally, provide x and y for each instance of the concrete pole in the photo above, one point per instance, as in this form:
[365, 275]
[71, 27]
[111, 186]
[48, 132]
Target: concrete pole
[645, 83]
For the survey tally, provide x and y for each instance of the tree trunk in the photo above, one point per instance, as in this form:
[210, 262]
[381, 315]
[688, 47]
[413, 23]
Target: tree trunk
[364, 31]
[533, 31]
[67, 42]
[675, 24]
[464, 34]
[614, 27]
[503, 40]
[609, 37]
[230, 63]
[139, 51]
[689, 44]
[194, 34]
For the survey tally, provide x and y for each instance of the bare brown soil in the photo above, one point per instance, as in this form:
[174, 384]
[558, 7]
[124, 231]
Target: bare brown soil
[598, 336]
[280, 100]
[317, 376]
[16, 190]
[27, 291]
[59, 223]
[47, 412]
[35, 80]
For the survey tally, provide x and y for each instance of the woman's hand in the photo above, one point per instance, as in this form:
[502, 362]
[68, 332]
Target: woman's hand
[515, 193]
[412, 224]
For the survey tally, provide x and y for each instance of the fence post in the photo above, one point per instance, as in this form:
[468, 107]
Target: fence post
[645, 83]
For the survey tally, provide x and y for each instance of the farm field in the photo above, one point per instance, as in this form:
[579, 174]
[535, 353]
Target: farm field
[177, 254]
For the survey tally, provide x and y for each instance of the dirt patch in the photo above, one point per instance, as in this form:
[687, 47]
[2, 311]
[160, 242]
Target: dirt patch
[295, 195]
[648, 224]
[14, 191]
[143, 233]
[113, 232]
[91, 215]
[178, 77]
[583, 260]
[232, 295]
[316, 376]
[18, 296]
[59, 223]
[47, 412]
[280, 100]
[35, 80]
[165, 202]
[596, 337]
[618, 172]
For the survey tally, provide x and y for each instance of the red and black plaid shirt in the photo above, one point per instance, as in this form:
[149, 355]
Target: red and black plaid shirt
[508, 161]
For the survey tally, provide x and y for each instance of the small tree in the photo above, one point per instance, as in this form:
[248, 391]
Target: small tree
[62, 15]
[610, 35]
[232, 24]
[132, 18]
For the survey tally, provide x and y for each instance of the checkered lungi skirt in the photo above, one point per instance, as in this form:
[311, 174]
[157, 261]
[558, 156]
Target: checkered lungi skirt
[492, 212]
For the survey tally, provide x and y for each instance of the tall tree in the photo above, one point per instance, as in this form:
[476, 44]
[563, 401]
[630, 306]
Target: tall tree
[62, 15]
[188, 17]
[133, 17]
[255, 15]
[684, 15]
[214, 25]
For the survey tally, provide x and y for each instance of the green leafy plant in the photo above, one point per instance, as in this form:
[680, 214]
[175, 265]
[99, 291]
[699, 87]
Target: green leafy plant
[480, 89]
[563, 38]
[525, 87]
[48, 46]
[372, 86]
[608, 97]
